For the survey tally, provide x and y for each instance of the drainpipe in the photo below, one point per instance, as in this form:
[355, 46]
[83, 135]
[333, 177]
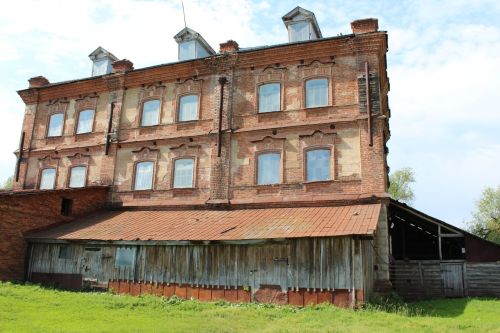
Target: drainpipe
[368, 105]
[222, 82]
[110, 125]
[20, 157]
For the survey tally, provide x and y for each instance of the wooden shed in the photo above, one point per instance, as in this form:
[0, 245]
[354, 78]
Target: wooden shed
[430, 258]
[282, 255]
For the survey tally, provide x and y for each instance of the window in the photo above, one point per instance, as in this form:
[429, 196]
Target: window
[143, 176]
[66, 206]
[269, 97]
[183, 173]
[77, 176]
[299, 31]
[85, 121]
[268, 168]
[125, 257]
[188, 108]
[48, 179]
[101, 67]
[150, 113]
[316, 93]
[64, 252]
[55, 125]
[318, 165]
[187, 50]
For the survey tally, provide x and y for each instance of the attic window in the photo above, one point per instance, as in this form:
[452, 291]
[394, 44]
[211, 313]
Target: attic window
[299, 31]
[187, 50]
[192, 45]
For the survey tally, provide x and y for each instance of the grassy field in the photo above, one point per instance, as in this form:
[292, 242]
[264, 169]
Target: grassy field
[30, 308]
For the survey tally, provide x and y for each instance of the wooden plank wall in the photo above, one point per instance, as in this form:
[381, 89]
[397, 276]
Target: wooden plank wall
[309, 263]
[423, 279]
[482, 279]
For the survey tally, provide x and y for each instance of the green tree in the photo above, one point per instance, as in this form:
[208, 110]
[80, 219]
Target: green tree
[486, 219]
[401, 185]
[7, 184]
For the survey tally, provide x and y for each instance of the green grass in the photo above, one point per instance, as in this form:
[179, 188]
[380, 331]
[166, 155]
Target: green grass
[31, 308]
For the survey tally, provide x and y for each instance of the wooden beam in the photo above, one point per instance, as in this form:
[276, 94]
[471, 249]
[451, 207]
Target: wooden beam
[439, 237]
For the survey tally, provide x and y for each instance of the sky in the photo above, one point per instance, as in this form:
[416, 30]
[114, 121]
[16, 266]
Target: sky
[443, 64]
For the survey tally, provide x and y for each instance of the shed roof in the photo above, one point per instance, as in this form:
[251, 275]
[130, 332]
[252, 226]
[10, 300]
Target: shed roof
[211, 225]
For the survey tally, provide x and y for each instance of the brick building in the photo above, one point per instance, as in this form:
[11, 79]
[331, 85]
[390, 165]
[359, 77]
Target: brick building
[244, 174]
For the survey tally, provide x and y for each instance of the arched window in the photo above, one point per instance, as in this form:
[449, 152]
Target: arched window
[150, 113]
[316, 93]
[318, 165]
[269, 97]
[183, 173]
[268, 168]
[188, 108]
[85, 121]
[77, 176]
[55, 125]
[143, 176]
[48, 179]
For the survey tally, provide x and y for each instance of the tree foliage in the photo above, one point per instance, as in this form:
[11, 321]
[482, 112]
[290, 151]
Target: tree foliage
[486, 219]
[7, 184]
[401, 185]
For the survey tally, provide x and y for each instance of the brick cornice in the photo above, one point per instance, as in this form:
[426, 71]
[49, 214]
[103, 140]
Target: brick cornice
[338, 46]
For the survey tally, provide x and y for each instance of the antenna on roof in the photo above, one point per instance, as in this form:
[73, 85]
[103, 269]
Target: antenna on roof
[183, 13]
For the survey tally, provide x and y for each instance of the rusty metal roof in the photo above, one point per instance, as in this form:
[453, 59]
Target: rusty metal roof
[211, 225]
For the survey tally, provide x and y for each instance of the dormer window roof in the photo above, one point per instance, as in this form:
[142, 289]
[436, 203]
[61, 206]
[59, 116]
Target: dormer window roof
[301, 25]
[102, 60]
[192, 45]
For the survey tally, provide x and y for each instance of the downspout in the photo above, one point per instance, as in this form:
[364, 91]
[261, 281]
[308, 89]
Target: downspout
[20, 157]
[108, 134]
[368, 105]
[222, 82]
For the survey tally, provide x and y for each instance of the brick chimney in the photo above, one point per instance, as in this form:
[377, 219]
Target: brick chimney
[123, 65]
[38, 81]
[229, 46]
[364, 26]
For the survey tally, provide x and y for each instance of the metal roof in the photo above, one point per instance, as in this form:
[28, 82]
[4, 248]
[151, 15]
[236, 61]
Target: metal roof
[212, 225]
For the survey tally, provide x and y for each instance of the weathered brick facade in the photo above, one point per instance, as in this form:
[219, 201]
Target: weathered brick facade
[28, 210]
[229, 132]
[359, 170]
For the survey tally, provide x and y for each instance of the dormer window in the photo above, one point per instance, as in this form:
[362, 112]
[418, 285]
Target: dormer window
[102, 61]
[192, 45]
[301, 25]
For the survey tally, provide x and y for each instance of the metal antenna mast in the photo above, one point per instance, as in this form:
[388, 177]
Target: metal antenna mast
[183, 13]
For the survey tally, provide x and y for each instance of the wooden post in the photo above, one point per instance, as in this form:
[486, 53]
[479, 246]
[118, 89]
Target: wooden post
[439, 240]
[353, 287]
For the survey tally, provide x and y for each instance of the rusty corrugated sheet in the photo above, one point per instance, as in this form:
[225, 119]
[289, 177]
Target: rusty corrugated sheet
[196, 225]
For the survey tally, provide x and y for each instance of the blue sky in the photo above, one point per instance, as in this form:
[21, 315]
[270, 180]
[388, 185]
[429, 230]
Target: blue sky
[443, 62]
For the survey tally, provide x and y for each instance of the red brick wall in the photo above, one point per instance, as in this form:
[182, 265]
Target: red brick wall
[24, 211]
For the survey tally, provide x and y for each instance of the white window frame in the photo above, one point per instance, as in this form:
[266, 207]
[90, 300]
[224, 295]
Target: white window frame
[180, 110]
[136, 167]
[42, 177]
[266, 108]
[78, 129]
[157, 120]
[308, 169]
[71, 176]
[50, 124]
[308, 101]
[174, 173]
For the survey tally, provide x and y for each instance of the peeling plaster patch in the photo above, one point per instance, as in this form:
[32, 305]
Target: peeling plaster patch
[292, 151]
[235, 161]
[349, 158]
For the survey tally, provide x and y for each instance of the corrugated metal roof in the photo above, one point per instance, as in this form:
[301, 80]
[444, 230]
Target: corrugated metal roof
[211, 225]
